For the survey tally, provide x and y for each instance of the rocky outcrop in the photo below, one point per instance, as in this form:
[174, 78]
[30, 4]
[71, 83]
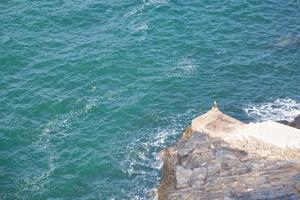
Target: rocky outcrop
[212, 161]
[295, 123]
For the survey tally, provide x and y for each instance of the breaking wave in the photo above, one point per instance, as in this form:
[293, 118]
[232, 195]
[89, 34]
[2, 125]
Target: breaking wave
[280, 109]
[142, 162]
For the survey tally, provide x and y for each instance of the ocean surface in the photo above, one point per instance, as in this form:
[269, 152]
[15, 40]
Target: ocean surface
[91, 91]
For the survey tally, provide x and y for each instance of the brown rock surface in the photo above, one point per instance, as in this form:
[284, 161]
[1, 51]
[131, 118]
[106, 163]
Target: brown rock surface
[206, 163]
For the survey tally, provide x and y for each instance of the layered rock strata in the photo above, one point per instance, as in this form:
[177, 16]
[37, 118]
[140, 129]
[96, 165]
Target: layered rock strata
[215, 160]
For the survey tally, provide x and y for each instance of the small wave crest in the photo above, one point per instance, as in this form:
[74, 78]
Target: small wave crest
[288, 40]
[142, 161]
[280, 109]
[142, 153]
[185, 67]
[140, 8]
[141, 28]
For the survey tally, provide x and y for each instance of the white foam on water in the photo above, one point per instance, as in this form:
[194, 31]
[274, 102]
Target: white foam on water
[288, 40]
[141, 28]
[111, 95]
[37, 180]
[136, 11]
[142, 152]
[90, 105]
[140, 8]
[142, 161]
[283, 42]
[185, 67]
[64, 121]
[145, 162]
[279, 109]
[151, 2]
[93, 88]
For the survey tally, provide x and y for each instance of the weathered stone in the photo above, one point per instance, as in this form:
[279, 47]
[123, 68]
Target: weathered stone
[202, 149]
[183, 177]
[243, 169]
[216, 195]
[195, 160]
[226, 180]
[297, 182]
[214, 168]
[185, 149]
[211, 165]
[243, 195]
[225, 154]
[262, 194]
[261, 180]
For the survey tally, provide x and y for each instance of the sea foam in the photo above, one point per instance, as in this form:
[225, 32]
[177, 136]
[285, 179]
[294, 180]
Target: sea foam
[142, 161]
[279, 109]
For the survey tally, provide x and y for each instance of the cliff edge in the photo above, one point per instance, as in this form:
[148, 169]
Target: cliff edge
[219, 157]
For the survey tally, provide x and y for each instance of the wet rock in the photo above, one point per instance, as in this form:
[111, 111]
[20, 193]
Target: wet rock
[295, 123]
[285, 122]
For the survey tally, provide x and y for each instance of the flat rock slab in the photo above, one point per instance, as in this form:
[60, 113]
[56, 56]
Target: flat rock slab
[272, 133]
[215, 123]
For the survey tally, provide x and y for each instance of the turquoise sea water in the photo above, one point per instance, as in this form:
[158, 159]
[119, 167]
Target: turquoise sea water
[91, 91]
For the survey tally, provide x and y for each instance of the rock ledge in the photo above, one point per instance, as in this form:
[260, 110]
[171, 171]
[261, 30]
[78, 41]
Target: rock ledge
[214, 160]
